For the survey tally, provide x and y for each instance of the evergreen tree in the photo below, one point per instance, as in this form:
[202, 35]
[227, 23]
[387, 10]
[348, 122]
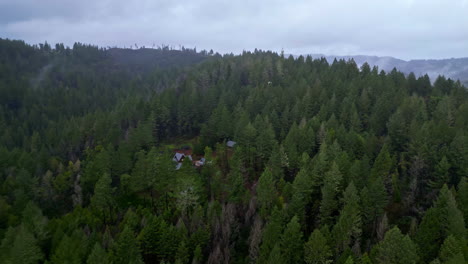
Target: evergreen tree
[396, 248]
[303, 188]
[275, 256]
[98, 255]
[451, 219]
[305, 129]
[291, 242]
[347, 231]
[271, 235]
[71, 249]
[24, 249]
[316, 250]
[266, 192]
[330, 190]
[429, 235]
[462, 197]
[150, 239]
[182, 255]
[125, 249]
[103, 199]
[441, 175]
[451, 251]
[349, 260]
[35, 221]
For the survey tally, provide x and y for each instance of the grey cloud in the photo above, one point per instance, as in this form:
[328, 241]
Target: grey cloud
[400, 28]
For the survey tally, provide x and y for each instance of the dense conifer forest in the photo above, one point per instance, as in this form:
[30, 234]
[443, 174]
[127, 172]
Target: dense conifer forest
[333, 163]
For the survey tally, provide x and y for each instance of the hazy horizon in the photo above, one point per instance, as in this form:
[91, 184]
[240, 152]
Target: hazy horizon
[405, 29]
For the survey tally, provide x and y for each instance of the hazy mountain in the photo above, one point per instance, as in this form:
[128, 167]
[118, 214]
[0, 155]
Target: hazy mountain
[456, 69]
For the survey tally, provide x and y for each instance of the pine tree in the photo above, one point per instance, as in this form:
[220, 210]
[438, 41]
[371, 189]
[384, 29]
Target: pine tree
[291, 242]
[125, 249]
[71, 249]
[197, 255]
[347, 231]
[349, 260]
[462, 197]
[451, 251]
[266, 192]
[303, 188]
[365, 259]
[441, 174]
[428, 235]
[382, 164]
[103, 199]
[330, 190]
[236, 180]
[98, 255]
[451, 218]
[25, 248]
[291, 146]
[275, 256]
[265, 140]
[150, 239]
[35, 221]
[316, 250]
[396, 248]
[270, 235]
[98, 162]
[182, 256]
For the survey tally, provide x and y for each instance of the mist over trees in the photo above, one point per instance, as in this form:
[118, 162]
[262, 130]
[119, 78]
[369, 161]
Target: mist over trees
[332, 163]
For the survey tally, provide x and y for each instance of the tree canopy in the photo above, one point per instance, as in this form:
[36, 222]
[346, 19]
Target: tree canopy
[332, 163]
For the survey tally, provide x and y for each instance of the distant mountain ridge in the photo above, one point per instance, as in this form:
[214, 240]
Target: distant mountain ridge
[454, 68]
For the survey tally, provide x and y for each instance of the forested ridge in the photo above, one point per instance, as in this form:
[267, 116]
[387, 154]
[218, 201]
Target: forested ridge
[332, 163]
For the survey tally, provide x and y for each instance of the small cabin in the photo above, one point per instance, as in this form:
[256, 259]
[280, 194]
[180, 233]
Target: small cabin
[231, 143]
[178, 157]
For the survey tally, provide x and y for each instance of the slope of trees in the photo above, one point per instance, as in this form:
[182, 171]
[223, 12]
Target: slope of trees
[333, 163]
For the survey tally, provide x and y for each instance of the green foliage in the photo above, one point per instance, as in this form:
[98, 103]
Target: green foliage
[20, 246]
[182, 255]
[451, 218]
[103, 200]
[302, 190]
[462, 197]
[266, 192]
[125, 248]
[291, 242]
[271, 235]
[71, 249]
[429, 235]
[330, 190]
[98, 255]
[347, 231]
[35, 222]
[87, 136]
[442, 174]
[316, 250]
[442, 220]
[150, 238]
[451, 251]
[275, 256]
[396, 248]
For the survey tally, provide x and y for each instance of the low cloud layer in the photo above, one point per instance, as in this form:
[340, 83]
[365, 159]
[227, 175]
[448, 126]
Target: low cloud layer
[405, 29]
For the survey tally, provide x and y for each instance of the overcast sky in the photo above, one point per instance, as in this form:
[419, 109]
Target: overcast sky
[406, 29]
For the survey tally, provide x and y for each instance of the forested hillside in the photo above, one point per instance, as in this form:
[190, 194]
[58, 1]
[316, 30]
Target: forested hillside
[333, 163]
[454, 68]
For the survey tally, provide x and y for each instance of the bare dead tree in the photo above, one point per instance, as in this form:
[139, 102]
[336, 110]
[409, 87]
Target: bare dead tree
[255, 238]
